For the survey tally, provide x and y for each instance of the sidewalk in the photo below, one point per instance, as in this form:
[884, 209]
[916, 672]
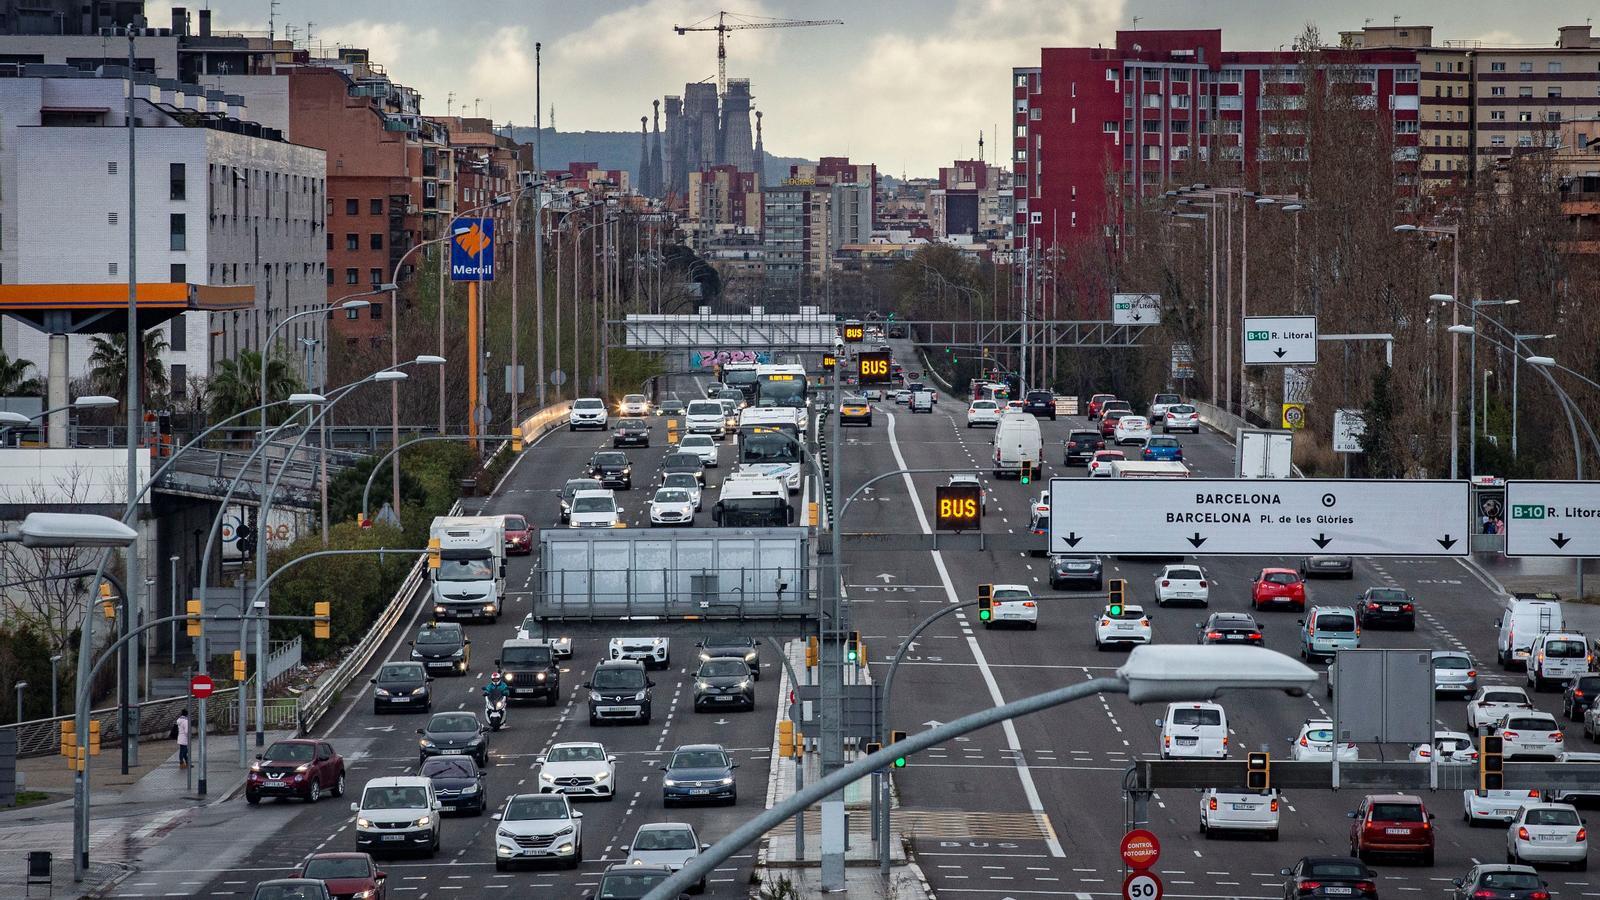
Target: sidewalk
[129, 812]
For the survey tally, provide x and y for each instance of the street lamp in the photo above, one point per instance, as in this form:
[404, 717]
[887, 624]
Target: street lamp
[20, 686]
[52, 530]
[55, 685]
[1486, 374]
[1518, 341]
[1452, 232]
[1472, 400]
[9, 419]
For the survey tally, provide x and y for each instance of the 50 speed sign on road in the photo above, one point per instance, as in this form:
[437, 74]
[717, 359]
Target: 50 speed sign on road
[1141, 886]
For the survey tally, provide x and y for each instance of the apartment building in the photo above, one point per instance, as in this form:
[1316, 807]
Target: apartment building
[794, 217]
[831, 170]
[723, 198]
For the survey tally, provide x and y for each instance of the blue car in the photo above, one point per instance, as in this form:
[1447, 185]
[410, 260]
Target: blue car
[696, 773]
[1163, 449]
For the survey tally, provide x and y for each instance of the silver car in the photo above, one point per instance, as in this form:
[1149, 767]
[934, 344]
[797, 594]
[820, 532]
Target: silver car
[670, 845]
[1454, 673]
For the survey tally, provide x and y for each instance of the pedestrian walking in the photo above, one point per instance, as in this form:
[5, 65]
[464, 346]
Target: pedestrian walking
[182, 726]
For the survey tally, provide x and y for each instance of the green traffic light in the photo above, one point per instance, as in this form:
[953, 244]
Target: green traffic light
[1116, 609]
[984, 614]
[899, 762]
[853, 655]
[1026, 479]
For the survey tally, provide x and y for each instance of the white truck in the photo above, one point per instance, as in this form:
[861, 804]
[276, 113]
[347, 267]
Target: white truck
[470, 582]
[750, 500]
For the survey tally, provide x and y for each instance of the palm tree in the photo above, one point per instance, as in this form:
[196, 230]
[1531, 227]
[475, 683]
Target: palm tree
[15, 380]
[236, 384]
[108, 364]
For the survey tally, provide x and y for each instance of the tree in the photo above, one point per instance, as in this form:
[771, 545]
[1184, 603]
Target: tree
[108, 364]
[1383, 452]
[236, 385]
[15, 380]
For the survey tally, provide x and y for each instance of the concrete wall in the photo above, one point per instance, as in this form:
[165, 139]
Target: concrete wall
[74, 477]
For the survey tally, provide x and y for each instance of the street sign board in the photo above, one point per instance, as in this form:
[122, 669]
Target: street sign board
[1141, 886]
[1136, 309]
[959, 506]
[1297, 384]
[873, 368]
[829, 361]
[1382, 696]
[1553, 518]
[1280, 340]
[1140, 849]
[1294, 415]
[472, 250]
[201, 686]
[1293, 517]
[1349, 426]
[854, 334]
[1182, 360]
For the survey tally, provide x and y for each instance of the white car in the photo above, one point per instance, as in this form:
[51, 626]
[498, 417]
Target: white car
[578, 769]
[902, 396]
[685, 481]
[1100, 465]
[1131, 430]
[1126, 626]
[1455, 748]
[1013, 605]
[1478, 807]
[1315, 744]
[634, 405]
[705, 417]
[701, 445]
[669, 845]
[587, 412]
[1548, 833]
[398, 812]
[537, 827]
[1239, 811]
[972, 479]
[983, 412]
[1181, 417]
[672, 506]
[654, 652]
[1528, 733]
[532, 629]
[1491, 704]
[595, 509]
[1183, 584]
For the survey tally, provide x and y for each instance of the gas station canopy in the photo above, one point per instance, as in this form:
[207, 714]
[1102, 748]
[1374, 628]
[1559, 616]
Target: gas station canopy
[103, 308]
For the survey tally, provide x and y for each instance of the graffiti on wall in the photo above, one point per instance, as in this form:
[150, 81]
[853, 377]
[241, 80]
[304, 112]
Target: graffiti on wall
[707, 359]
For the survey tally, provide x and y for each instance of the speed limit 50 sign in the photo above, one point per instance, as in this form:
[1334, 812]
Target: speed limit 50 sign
[1141, 886]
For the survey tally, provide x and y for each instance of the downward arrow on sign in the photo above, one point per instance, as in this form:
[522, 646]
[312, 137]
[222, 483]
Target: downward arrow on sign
[1072, 539]
[1447, 542]
[1321, 540]
[1560, 540]
[1197, 540]
[1279, 352]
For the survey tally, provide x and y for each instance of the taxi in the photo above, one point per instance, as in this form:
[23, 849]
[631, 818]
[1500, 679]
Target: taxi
[855, 409]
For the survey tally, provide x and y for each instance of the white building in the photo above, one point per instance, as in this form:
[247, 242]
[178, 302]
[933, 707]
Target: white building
[221, 200]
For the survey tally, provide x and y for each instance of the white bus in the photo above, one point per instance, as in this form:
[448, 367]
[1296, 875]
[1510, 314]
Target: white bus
[1138, 468]
[782, 386]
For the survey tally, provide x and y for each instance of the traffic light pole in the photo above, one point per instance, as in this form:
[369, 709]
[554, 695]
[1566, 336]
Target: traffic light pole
[834, 835]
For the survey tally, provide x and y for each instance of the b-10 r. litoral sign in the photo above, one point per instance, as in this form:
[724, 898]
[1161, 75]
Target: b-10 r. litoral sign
[1552, 518]
[1227, 517]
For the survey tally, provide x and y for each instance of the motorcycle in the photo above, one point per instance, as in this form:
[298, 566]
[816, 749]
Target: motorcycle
[494, 709]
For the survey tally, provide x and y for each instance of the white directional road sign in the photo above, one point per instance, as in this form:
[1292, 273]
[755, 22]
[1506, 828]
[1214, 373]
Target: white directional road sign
[1552, 518]
[1228, 517]
[1280, 340]
[1136, 309]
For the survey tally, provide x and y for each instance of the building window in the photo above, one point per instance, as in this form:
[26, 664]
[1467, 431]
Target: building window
[1553, 91]
[1406, 127]
[1180, 101]
[376, 241]
[1498, 140]
[1035, 114]
[179, 273]
[111, 268]
[111, 218]
[1497, 67]
[352, 207]
[1553, 115]
[352, 276]
[376, 310]
[1525, 117]
[179, 376]
[1022, 81]
[1109, 127]
[1525, 141]
[1553, 67]
[1497, 115]
[377, 276]
[330, 276]
[1497, 92]
[1111, 75]
[1152, 126]
[377, 207]
[352, 242]
[1180, 126]
[176, 178]
[1152, 101]
[1438, 67]
[1525, 67]
[178, 230]
[1525, 91]
[1022, 131]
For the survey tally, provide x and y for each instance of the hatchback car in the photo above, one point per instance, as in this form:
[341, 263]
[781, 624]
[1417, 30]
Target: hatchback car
[724, 683]
[1163, 449]
[631, 433]
[1013, 604]
[1498, 881]
[570, 490]
[1315, 743]
[458, 782]
[1328, 629]
[402, 685]
[1491, 704]
[671, 506]
[701, 445]
[1454, 672]
[1079, 570]
[578, 769]
[1181, 417]
[612, 469]
[1100, 463]
[1229, 628]
[1548, 833]
[299, 768]
[1454, 748]
[1497, 806]
[1040, 404]
[1097, 402]
[1578, 695]
[1531, 734]
[669, 845]
[1182, 584]
[1387, 606]
[1121, 626]
[1325, 877]
[634, 405]
[587, 412]
[454, 732]
[536, 828]
[519, 535]
[1392, 825]
[1080, 447]
[345, 875]
[1274, 587]
[687, 463]
[699, 773]
[985, 413]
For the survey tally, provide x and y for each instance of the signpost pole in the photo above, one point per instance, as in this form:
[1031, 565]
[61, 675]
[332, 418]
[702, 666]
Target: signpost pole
[472, 360]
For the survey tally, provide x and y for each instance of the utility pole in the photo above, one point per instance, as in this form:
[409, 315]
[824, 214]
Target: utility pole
[127, 718]
[538, 236]
[834, 833]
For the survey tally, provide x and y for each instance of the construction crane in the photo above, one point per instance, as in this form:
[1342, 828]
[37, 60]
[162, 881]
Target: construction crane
[742, 23]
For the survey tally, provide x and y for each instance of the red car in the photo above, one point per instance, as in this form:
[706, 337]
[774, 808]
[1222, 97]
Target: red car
[1395, 824]
[1275, 586]
[1097, 401]
[519, 536]
[1108, 421]
[345, 875]
[306, 769]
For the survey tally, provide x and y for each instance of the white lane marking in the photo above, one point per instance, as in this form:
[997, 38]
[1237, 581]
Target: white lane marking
[1035, 803]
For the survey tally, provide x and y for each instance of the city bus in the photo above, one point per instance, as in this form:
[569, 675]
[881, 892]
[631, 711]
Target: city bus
[782, 386]
[741, 376]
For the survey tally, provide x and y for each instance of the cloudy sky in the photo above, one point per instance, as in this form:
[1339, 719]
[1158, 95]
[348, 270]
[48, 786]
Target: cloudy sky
[907, 84]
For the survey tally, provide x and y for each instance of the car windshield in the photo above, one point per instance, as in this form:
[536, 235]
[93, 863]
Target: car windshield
[576, 485]
[664, 839]
[697, 440]
[610, 459]
[699, 759]
[681, 461]
[1397, 812]
[634, 398]
[406, 797]
[330, 867]
[1554, 816]
[453, 722]
[516, 523]
[513, 657]
[631, 425]
[714, 668]
[1336, 622]
[526, 808]
[1281, 578]
[1334, 868]
[439, 636]
[450, 767]
[705, 408]
[464, 570]
[1451, 662]
[1386, 595]
[1127, 612]
[1182, 409]
[620, 679]
[628, 885]
[681, 480]
[1529, 724]
[400, 672]
[288, 752]
[1161, 441]
[672, 495]
[576, 754]
[1510, 881]
[1564, 649]
[984, 404]
[588, 404]
[593, 505]
[1184, 574]
[1193, 716]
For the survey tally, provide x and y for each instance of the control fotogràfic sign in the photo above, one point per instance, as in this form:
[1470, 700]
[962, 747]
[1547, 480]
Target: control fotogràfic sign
[959, 507]
[1552, 518]
[1280, 340]
[873, 368]
[1292, 517]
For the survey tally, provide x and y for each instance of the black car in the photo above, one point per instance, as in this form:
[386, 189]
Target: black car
[402, 685]
[670, 408]
[1387, 606]
[1579, 695]
[684, 462]
[442, 647]
[699, 772]
[1080, 570]
[619, 690]
[530, 670]
[1040, 403]
[1080, 447]
[572, 487]
[622, 882]
[631, 432]
[1329, 876]
[1327, 567]
[1229, 628]
[1500, 881]
[452, 733]
[724, 682]
[611, 469]
[744, 648]
[457, 781]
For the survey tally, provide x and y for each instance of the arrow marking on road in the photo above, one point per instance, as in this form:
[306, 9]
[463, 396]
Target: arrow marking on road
[1197, 540]
[720, 722]
[885, 577]
[1560, 540]
[385, 728]
[933, 723]
[1447, 542]
[1321, 540]
[1072, 539]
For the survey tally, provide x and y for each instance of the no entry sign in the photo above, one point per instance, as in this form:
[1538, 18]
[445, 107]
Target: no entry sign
[201, 686]
[1140, 849]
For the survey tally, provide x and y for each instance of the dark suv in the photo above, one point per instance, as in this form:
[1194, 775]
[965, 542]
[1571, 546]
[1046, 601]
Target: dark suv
[442, 647]
[1080, 447]
[619, 690]
[1040, 403]
[530, 670]
[611, 469]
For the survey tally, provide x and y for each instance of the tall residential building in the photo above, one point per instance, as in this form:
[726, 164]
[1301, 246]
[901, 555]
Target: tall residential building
[830, 170]
[794, 229]
[973, 198]
[723, 198]
[849, 216]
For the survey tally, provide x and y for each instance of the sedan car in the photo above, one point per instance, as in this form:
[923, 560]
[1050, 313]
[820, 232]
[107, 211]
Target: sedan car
[538, 827]
[1327, 567]
[1100, 464]
[1229, 628]
[1500, 881]
[1315, 744]
[699, 772]
[1040, 404]
[1163, 449]
[1324, 877]
[1454, 748]
[578, 769]
[634, 405]
[1387, 606]
[855, 410]
[570, 489]
[454, 732]
[902, 396]
[1079, 570]
[1182, 584]
[1013, 604]
[301, 768]
[701, 445]
[1272, 587]
[1549, 833]
[724, 682]
[669, 845]
[671, 506]
[1080, 447]
[612, 469]
[984, 413]
[1181, 417]
[686, 481]
[345, 875]
[1124, 625]
[457, 782]
[291, 889]
[1454, 673]
[631, 433]
[670, 408]
[402, 685]
[689, 463]
[1491, 704]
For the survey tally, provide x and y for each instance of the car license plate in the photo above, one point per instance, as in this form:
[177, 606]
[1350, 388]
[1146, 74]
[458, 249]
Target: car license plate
[1337, 890]
[1246, 807]
[1397, 831]
[394, 837]
[1548, 837]
[611, 709]
[699, 790]
[274, 784]
[1391, 609]
[1186, 742]
[1235, 637]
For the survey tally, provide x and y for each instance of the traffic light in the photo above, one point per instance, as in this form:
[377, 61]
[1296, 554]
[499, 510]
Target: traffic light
[789, 739]
[433, 553]
[246, 536]
[813, 653]
[896, 737]
[94, 737]
[69, 739]
[108, 602]
[1258, 771]
[812, 516]
[323, 628]
[859, 656]
[985, 602]
[195, 626]
[1491, 763]
[238, 665]
[516, 439]
[1027, 471]
[872, 747]
[852, 648]
[1116, 594]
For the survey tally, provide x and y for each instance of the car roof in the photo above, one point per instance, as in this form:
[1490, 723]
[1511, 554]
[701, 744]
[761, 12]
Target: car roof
[1277, 570]
[1012, 587]
[1394, 798]
[578, 744]
[602, 492]
[662, 826]
[1232, 617]
[1332, 609]
[340, 854]
[388, 781]
[682, 747]
[619, 664]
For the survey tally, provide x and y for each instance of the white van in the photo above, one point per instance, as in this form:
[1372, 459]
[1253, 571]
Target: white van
[1520, 622]
[1016, 438]
[705, 417]
[1194, 731]
[1556, 657]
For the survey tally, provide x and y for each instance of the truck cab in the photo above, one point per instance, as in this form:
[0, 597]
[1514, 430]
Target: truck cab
[470, 581]
[752, 501]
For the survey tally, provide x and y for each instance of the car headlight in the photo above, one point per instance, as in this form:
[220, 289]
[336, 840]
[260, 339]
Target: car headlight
[751, 656]
[702, 685]
[415, 655]
[364, 895]
[565, 831]
[669, 782]
[381, 692]
[639, 696]
[539, 677]
[417, 692]
[546, 776]
[363, 822]
[743, 684]
[303, 767]
[459, 653]
[602, 775]
[510, 676]
[475, 741]
[704, 656]
[426, 744]
[725, 781]
[423, 822]
[470, 789]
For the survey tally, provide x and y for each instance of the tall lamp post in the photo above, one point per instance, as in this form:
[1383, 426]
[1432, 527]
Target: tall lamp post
[1472, 402]
[1453, 233]
[1518, 340]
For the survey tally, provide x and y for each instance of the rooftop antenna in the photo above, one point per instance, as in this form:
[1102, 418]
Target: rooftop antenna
[272, 36]
[450, 104]
[1396, 21]
[475, 106]
[980, 145]
[1135, 23]
[309, 26]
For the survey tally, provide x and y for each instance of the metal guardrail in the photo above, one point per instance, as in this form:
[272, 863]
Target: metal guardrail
[283, 659]
[42, 737]
[282, 714]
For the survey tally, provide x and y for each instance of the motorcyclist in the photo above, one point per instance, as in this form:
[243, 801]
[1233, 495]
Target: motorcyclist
[496, 687]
